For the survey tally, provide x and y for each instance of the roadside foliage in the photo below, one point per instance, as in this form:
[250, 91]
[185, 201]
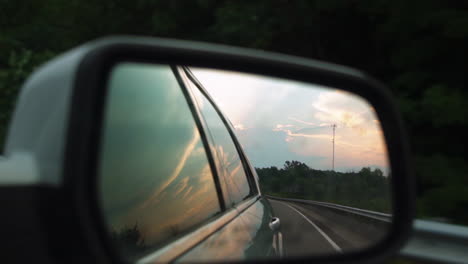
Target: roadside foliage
[417, 48]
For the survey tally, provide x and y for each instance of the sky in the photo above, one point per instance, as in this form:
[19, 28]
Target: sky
[277, 120]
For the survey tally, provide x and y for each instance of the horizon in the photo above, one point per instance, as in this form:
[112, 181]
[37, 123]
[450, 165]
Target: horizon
[324, 170]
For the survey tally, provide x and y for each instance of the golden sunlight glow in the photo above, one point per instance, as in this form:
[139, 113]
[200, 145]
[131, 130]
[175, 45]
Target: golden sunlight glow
[188, 150]
[304, 113]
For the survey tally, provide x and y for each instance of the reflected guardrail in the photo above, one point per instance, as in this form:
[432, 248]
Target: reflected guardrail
[346, 209]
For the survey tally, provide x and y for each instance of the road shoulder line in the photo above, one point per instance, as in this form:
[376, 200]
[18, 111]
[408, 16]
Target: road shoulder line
[332, 243]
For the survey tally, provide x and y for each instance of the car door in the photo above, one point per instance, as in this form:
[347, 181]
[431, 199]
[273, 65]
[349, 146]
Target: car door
[164, 189]
[249, 235]
[159, 192]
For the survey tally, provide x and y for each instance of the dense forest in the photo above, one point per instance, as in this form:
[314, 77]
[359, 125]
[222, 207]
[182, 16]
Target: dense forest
[417, 48]
[367, 189]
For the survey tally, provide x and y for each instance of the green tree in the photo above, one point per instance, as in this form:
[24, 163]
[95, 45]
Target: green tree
[367, 189]
[418, 48]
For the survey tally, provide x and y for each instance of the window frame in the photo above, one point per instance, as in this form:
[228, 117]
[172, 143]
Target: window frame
[248, 169]
[183, 244]
[203, 136]
[224, 191]
[204, 225]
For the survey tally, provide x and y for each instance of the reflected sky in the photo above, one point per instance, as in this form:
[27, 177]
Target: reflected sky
[154, 172]
[278, 120]
[228, 159]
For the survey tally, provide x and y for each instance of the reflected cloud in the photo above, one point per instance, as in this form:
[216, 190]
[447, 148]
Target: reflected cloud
[292, 134]
[358, 135]
[228, 160]
[235, 177]
[239, 127]
[154, 172]
[301, 121]
[304, 113]
[188, 150]
[186, 193]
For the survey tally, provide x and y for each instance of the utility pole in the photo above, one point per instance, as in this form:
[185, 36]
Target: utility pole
[333, 140]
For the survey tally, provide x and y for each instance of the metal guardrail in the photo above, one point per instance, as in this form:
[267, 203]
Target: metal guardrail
[366, 213]
[437, 242]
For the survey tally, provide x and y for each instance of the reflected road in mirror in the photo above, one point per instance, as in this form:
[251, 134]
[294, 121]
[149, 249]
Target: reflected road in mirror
[174, 182]
[319, 230]
[320, 156]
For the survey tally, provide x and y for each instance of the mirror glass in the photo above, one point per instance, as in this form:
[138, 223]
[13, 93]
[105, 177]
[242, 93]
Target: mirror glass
[201, 164]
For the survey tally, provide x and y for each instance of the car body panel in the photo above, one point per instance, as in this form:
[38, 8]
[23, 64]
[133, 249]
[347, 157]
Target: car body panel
[241, 231]
[263, 240]
[247, 236]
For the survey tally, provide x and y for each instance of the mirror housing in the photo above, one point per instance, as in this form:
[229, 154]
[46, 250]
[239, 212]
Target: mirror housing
[61, 138]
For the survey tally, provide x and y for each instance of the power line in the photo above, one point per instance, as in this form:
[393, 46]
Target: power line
[333, 141]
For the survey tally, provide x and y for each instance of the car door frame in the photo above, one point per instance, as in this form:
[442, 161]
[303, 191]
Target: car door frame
[249, 170]
[252, 178]
[179, 247]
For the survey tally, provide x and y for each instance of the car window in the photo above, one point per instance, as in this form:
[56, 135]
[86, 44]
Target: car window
[229, 161]
[155, 181]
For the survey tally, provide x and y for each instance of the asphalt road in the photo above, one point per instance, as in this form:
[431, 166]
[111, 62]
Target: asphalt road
[308, 231]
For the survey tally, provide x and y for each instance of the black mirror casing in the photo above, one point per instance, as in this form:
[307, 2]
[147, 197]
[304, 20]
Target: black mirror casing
[87, 106]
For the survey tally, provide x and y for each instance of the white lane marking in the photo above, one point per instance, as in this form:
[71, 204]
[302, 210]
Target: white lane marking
[334, 245]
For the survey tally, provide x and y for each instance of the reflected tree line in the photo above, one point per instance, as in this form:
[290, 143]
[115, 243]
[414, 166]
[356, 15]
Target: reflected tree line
[132, 244]
[366, 189]
[129, 241]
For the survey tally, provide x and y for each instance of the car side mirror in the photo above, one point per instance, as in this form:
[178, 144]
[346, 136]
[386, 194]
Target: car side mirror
[144, 164]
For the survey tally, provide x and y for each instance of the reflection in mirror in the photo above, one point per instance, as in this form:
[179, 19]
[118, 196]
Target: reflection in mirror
[155, 182]
[174, 184]
[320, 156]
